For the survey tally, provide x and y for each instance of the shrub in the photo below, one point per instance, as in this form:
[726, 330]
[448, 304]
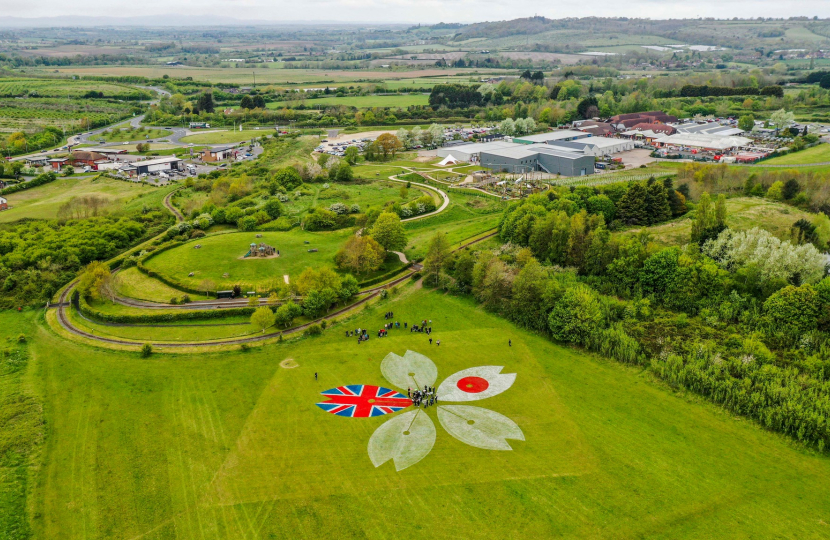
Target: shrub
[313, 330]
[146, 350]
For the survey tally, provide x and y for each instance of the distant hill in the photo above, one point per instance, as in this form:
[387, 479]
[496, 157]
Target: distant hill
[516, 27]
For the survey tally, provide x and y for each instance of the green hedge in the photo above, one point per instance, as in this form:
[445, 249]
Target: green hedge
[384, 277]
[157, 316]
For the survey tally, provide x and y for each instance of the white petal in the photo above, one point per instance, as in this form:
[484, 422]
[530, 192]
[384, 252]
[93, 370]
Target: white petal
[412, 370]
[479, 427]
[475, 383]
[406, 439]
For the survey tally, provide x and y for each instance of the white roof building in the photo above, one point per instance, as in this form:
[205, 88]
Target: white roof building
[707, 142]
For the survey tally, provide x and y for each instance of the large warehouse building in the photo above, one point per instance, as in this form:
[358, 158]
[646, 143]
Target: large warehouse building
[551, 137]
[595, 146]
[537, 157]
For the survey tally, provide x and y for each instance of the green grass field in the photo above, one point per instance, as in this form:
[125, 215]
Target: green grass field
[230, 445]
[43, 202]
[223, 253]
[134, 284]
[229, 136]
[816, 154]
[743, 213]
[401, 100]
[122, 135]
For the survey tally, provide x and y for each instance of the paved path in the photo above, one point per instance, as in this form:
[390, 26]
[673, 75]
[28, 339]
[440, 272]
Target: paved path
[440, 209]
[401, 256]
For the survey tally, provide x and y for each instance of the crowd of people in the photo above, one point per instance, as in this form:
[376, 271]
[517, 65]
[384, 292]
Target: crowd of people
[425, 327]
[428, 396]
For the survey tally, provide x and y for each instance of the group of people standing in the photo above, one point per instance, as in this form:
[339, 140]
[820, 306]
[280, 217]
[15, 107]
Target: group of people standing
[428, 396]
[361, 333]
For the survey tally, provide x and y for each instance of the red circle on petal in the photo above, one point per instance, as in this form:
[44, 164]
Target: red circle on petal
[473, 385]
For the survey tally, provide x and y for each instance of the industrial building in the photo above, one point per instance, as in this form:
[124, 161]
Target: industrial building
[595, 146]
[162, 164]
[470, 152]
[537, 157]
[709, 128]
[547, 138]
[715, 143]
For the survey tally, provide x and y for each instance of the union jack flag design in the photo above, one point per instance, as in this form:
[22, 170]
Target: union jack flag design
[363, 401]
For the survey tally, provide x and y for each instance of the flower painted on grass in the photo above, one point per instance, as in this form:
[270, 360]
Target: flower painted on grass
[408, 437]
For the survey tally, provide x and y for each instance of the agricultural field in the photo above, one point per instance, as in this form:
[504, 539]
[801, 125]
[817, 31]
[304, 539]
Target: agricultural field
[743, 213]
[228, 136]
[68, 88]
[265, 74]
[43, 202]
[816, 154]
[30, 114]
[224, 254]
[394, 100]
[230, 445]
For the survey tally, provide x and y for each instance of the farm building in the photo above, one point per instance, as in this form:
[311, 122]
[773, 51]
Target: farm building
[4, 204]
[217, 154]
[161, 164]
[537, 157]
[597, 129]
[715, 143]
[559, 135]
[595, 146]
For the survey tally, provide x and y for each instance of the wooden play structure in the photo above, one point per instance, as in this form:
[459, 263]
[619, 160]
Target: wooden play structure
[262, 250]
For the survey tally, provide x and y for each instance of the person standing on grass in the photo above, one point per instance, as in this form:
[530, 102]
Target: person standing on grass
[315, 375]
[509, 342]
[430, 341]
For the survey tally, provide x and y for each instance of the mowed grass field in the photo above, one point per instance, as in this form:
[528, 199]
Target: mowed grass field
[44, 201]
[401, 100]
[231, 445]
[229, 136]
[123, 135]
[743, 213]
[222, 253]
[816, 154]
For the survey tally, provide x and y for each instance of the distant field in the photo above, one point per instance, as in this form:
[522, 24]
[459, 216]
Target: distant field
[229, 136]
[816, 154]
[43, 202]
[403, 100]
[68, 88]
[27, 114]
[742, 213]
[264, 75]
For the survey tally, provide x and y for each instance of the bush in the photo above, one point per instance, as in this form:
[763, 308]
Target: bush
[146, 350]
[313, 330]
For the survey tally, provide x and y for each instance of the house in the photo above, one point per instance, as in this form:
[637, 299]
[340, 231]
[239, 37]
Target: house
[211, 155]
[150, 166]
[4, 204]
[58, 163]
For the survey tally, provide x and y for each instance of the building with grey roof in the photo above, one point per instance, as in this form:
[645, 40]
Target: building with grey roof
[538, 157]
[558, 135]
[470, 151]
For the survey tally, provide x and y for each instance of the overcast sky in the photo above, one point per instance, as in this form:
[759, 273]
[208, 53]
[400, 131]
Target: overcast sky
[413, 11]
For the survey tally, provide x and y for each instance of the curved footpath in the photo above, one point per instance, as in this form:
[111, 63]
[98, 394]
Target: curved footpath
[64, 321]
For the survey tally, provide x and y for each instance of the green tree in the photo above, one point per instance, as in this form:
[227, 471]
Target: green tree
[632, 208]
[793, 310]
[438, 254]
[601, 204]
[206, 103]
[708, 222]
[344, 172]
[287, 312]
[388, 231]
[351, 154]
[657, 203]
[746, 122]
[576, 315]
[782, 119]
[263, 318]
[776, 191]
[273, 208]
[288, 178]
[349, 287]
[360, 254]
